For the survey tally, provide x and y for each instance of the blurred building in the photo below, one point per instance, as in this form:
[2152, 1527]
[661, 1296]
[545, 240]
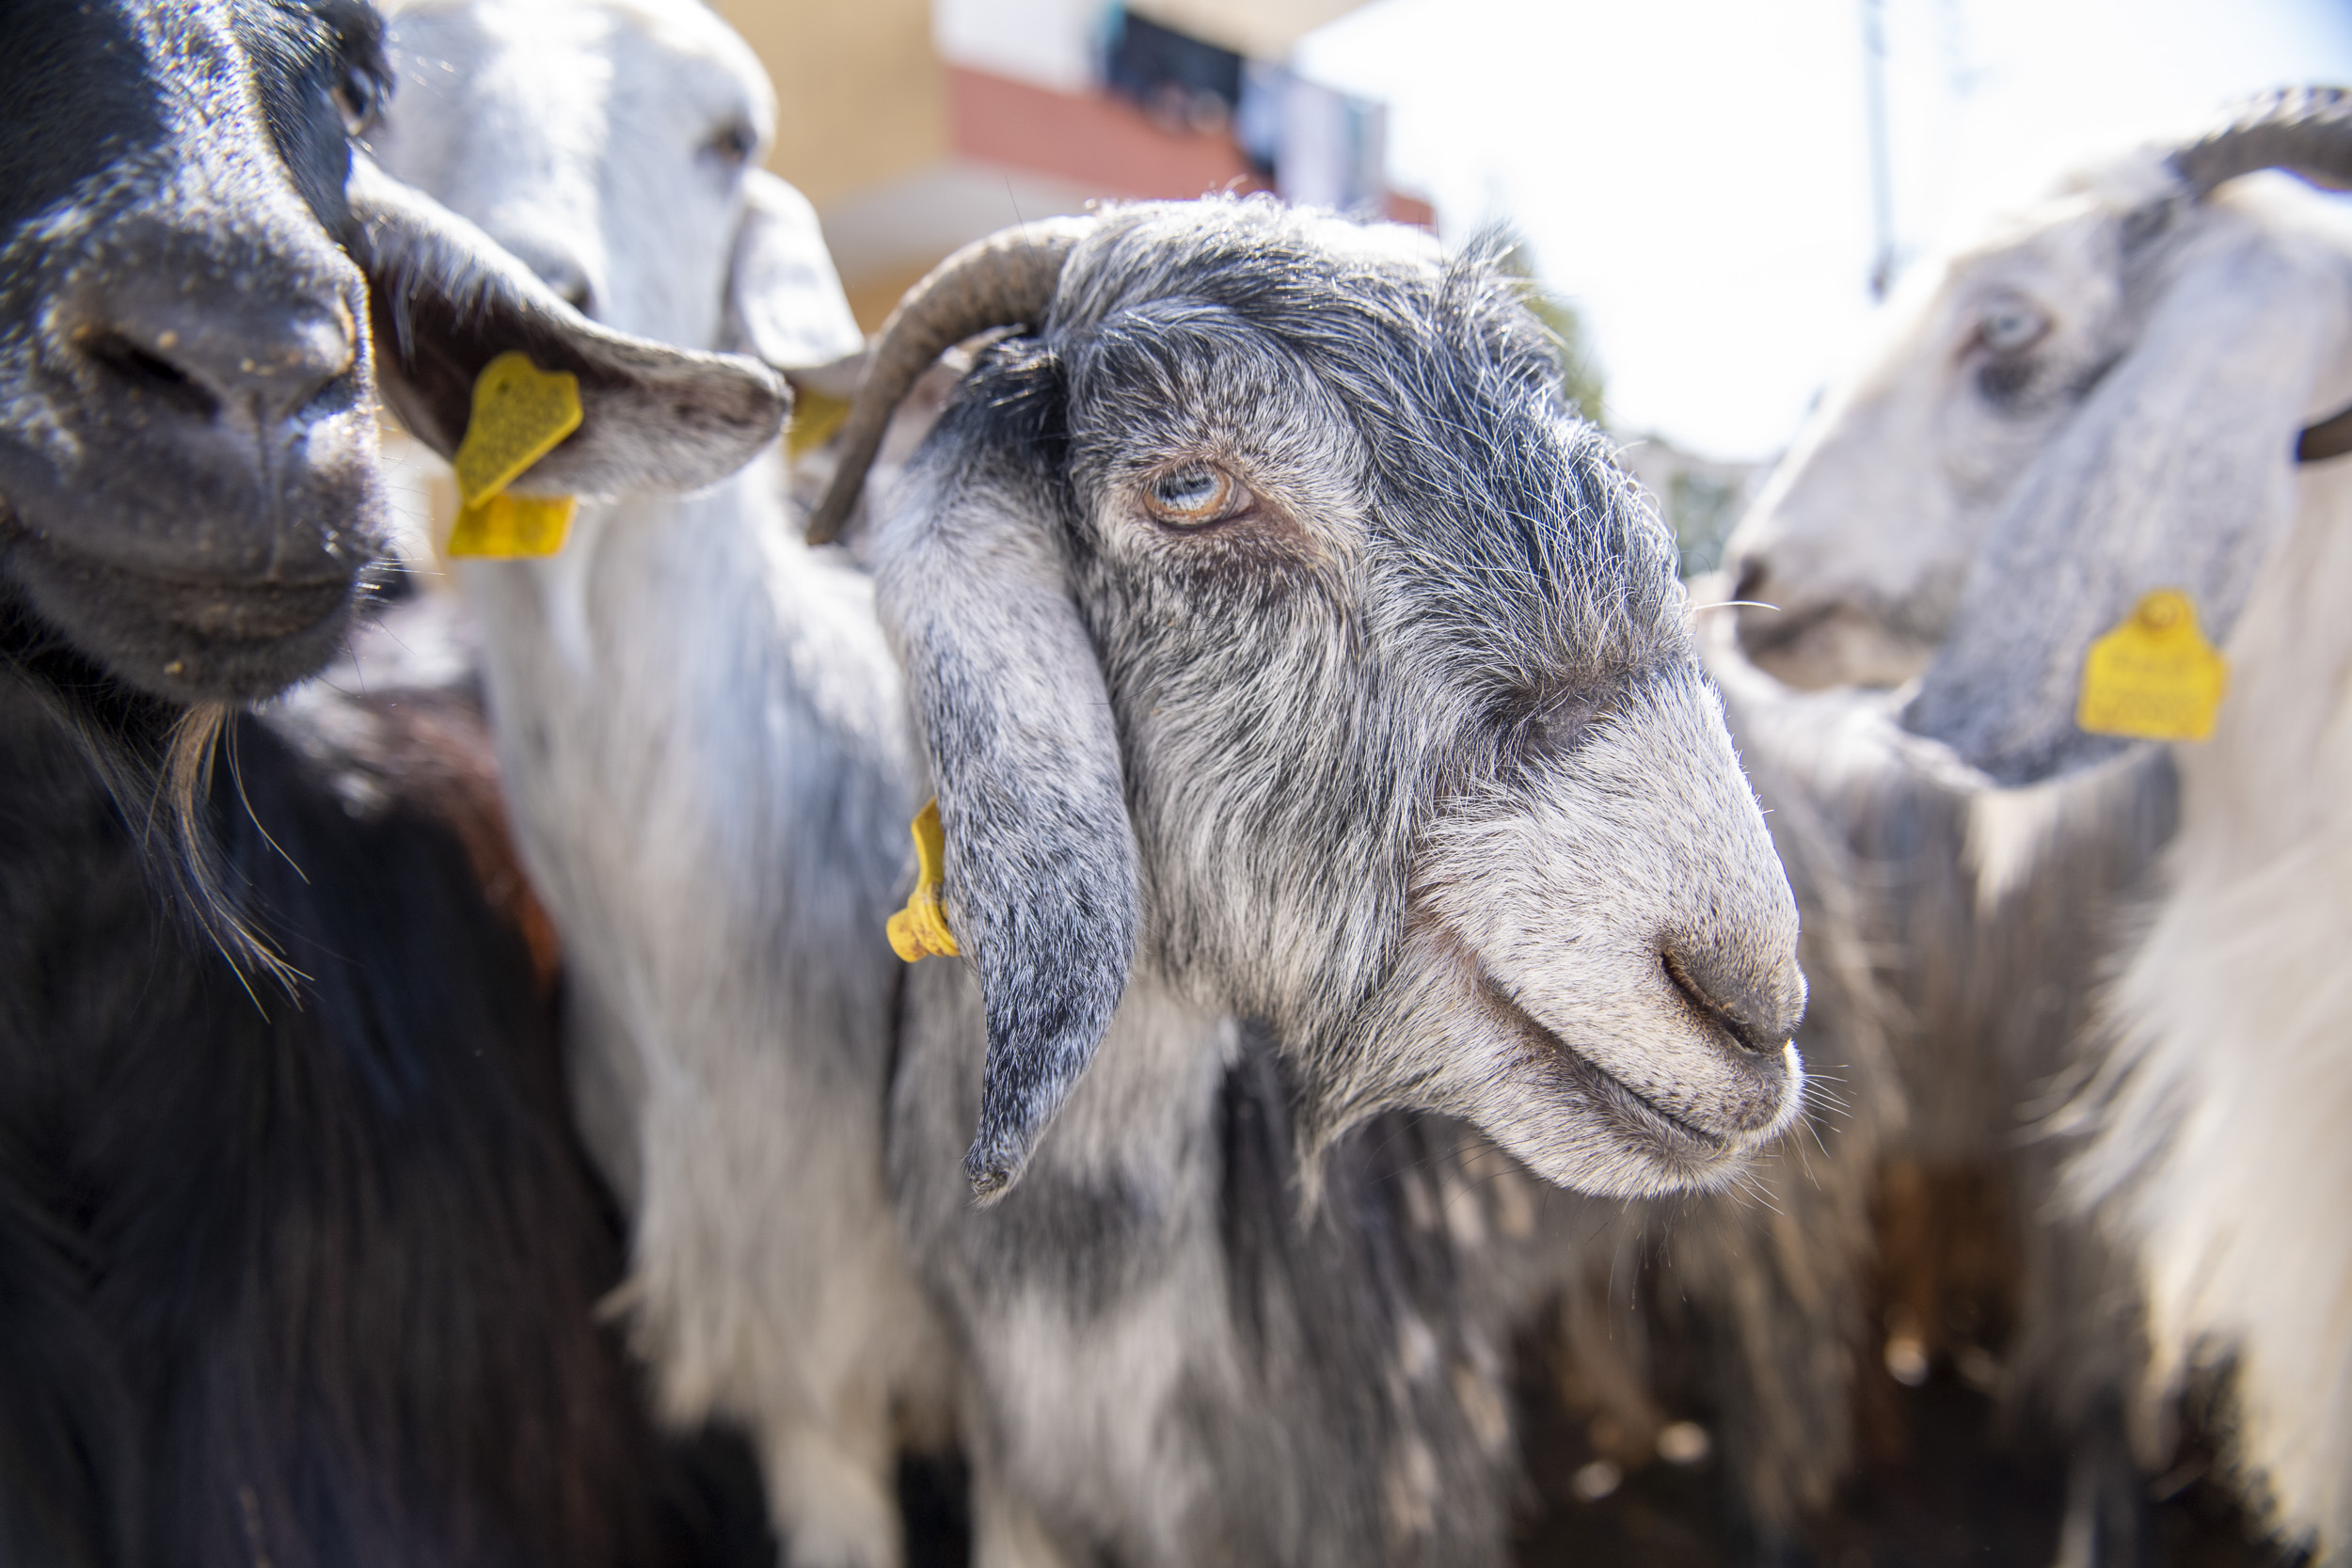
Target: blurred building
[915, 125]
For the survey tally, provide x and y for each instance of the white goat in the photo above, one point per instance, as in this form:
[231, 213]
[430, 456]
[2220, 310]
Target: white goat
[702, 738]
[2103, 400]
[1285, 651]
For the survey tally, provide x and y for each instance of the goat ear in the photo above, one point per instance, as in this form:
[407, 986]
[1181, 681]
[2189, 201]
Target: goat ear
[446, 300]
[1042, 883]
[784, 302]
[2176, 473]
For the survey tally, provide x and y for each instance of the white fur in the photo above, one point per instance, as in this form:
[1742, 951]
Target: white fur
[700, 730]
[2223, 1153]
[2225, 1074]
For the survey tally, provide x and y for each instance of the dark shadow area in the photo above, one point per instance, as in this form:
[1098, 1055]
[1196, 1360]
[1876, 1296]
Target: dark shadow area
[1951, 1490]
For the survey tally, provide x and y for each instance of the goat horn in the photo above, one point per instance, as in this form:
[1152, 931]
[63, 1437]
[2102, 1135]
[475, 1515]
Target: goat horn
[2305, 131]
[1006, 278]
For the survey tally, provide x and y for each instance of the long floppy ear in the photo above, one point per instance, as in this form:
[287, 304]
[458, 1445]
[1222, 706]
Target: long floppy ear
[2177, 473]
[1042, 881]
[446, 300]
[784, 301]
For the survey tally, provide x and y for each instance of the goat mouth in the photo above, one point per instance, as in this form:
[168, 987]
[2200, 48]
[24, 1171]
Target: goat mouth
[1842, 642]
[223, 611]
[186, 637]
[1762, 636]
[1677, 1143]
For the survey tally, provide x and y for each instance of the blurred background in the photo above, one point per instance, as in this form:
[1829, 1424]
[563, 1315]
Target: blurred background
[1713, 193]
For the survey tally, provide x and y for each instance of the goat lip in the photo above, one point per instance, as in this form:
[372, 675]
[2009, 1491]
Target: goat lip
[1842, 642]
[1683, 1141]
[185, 637]
[1762, 635]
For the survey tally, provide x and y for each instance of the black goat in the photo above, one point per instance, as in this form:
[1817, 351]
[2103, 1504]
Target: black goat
[298, 1261]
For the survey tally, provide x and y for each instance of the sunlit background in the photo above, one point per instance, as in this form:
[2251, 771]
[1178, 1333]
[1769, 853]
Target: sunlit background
[1711, 191]
[1696, 176]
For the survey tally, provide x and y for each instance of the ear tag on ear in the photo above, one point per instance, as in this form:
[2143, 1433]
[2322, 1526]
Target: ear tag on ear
[2154, 677]
[920, 930]
[521, 412]
[815, 418]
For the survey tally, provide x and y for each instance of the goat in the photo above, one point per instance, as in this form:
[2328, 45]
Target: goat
[2103, 400]
[296, 1261]
[1284, 651]
[701, 734]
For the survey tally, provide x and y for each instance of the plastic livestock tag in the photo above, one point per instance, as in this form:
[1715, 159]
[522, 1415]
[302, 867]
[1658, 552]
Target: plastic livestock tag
[920, 930]
[519, 413]
[506, 526]
[815, 418]
[2154, 677]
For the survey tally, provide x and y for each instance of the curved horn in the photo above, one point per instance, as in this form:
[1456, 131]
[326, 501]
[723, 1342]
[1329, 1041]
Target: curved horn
[1008, 277]
[2305, 131]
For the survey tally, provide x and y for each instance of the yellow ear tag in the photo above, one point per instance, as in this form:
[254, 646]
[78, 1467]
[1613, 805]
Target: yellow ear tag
[505, 527]
[920, 930]
[815, 418]
[521, 412]
[2154, 677]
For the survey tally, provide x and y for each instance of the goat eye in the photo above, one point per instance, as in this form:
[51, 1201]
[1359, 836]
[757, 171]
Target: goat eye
[734, 145]
[360, 98]
[1190, 497]
[2009, 326]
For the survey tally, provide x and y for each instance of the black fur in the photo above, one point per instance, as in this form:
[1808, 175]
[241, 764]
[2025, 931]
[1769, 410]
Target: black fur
[188, 484]
[307, 1276]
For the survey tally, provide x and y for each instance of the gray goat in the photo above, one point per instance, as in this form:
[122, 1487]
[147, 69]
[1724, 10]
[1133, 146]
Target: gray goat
[1285, 651]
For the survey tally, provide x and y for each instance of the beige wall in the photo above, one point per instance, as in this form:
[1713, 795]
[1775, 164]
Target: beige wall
[859, 94]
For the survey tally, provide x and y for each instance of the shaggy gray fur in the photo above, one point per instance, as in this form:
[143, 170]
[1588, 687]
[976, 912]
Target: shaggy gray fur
[1411, 754]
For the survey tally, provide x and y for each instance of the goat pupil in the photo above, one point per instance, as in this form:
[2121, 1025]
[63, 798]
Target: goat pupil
[2005, 330]
[1192, 490]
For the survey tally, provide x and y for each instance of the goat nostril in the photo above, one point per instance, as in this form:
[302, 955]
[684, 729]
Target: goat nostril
[150, 374]
[579, 296]
[1750, 583]
[1736, 1016]
[207, 354]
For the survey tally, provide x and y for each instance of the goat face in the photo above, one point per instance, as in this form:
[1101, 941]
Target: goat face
[1268, 613]
[2101, 401]
[186, 451]
[614, 145]
[189, 486]
[1855, 551]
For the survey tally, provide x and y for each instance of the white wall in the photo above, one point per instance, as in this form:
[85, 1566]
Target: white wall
[1049, 42]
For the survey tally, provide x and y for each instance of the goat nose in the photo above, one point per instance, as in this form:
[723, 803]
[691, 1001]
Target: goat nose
[1758, 1010]
[1750, 584]
[212, 347]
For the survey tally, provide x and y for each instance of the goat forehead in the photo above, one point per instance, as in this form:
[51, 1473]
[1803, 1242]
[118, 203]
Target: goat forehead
[555, 92]
[680, 42]
[156, 112]
[106, 88]
[1493, 521]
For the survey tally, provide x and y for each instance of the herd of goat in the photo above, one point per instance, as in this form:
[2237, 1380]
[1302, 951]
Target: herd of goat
[450, 1057]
